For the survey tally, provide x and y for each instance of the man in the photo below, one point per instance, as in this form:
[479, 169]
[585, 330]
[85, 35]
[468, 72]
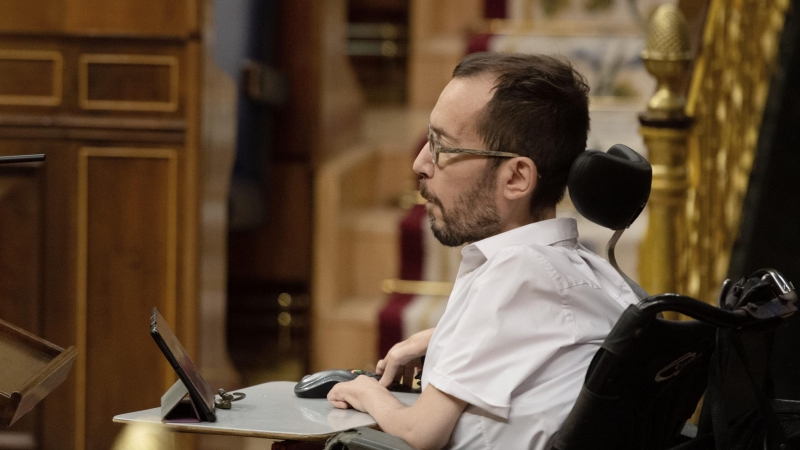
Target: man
[530, 306]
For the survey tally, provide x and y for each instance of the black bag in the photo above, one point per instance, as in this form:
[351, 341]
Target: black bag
[364, 438]
[740, 408]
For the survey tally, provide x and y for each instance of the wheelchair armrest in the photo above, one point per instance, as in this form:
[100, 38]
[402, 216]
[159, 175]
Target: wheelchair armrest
[364, 438]
[695, 309]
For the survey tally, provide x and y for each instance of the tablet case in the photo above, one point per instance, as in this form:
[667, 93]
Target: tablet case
[177, 405]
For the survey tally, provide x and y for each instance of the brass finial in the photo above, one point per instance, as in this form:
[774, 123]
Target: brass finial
[667, 55]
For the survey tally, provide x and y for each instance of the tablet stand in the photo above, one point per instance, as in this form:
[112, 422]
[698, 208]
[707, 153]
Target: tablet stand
[177, 405]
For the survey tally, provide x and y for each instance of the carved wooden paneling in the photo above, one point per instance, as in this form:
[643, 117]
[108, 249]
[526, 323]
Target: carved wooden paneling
[133, 79]
[127, 263]
[32, 15]
[21, 262]
[21, 208]
[155, 17]
[31, 77]
[128, 82]
[130, 17]
[109, 91]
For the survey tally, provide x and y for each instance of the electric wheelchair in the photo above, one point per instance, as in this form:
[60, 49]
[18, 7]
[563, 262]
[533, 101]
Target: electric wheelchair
[645, 382]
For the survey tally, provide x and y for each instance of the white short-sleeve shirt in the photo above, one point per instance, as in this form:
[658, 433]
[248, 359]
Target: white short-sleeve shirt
[529, 309]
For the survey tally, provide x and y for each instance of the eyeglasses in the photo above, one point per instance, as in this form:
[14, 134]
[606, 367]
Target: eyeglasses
[436, 148]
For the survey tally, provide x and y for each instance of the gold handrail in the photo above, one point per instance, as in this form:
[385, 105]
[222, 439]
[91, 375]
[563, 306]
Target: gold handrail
[435, 288]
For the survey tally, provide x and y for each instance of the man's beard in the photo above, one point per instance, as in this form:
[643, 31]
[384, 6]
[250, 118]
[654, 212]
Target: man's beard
[472, 217]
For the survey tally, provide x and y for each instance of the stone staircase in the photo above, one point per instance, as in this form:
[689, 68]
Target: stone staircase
[357, 216]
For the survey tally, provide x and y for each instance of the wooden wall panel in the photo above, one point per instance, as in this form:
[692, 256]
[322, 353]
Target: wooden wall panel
[58, 409]
[137, 78]
[108, 89]
[31, 15]
[127, 224]
[21, 264]
[53, 418]
[118, 17]
[25, 78]
[36, 75]
[128, 82]
[21, 209]
[98, 77]
[31, 77]
[160, 17]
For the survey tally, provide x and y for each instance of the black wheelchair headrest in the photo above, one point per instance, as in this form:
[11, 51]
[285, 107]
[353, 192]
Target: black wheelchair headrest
[611, 188]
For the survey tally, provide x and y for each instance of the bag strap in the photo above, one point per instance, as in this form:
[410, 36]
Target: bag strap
[771, 422]
[714, 404]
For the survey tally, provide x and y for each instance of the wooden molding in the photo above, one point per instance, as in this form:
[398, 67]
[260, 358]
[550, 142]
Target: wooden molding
[84, 155]
[128, 105]
[107, 123]
[58, 77]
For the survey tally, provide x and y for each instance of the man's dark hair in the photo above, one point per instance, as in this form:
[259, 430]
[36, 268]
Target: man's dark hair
[540, 109]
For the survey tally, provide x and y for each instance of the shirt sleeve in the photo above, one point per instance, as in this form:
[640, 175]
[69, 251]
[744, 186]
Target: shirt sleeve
[515, 320]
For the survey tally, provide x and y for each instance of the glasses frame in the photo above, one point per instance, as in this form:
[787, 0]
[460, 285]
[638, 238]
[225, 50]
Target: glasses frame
[436, 148]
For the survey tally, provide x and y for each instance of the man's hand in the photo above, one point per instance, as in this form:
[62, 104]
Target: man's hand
[353, 393]
[403, 358]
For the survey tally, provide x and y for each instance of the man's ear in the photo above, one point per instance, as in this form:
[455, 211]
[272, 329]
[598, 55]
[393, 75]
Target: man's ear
[519, 177]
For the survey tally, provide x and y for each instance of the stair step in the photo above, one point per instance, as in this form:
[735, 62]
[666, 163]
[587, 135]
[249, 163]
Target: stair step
[370, 249]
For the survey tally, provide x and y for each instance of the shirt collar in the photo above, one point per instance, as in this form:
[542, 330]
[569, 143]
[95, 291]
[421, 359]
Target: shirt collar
[545, 232]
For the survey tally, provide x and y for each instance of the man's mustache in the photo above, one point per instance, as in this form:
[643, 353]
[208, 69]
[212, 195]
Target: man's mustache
[428, 195]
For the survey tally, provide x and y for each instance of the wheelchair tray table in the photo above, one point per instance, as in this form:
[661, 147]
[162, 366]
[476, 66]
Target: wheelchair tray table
[271, 411]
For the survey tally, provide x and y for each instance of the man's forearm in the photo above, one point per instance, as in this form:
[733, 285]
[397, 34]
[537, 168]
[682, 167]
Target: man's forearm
[393, 417]
[426, 425]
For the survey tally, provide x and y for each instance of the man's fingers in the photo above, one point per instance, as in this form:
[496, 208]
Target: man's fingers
[391, 367]
[386, 379]
[335, 399]
[339, 404]
[389, 373]
[380, 367]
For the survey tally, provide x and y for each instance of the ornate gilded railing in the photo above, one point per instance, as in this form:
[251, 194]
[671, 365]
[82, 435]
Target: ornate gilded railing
[706, 169]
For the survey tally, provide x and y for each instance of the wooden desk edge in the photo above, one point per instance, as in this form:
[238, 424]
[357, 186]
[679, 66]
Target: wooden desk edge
[187, 428]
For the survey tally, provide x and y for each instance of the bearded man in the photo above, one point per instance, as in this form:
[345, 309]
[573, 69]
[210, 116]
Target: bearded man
[530, 306]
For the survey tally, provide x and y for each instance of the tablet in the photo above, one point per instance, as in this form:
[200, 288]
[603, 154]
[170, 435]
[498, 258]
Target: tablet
[201, 393]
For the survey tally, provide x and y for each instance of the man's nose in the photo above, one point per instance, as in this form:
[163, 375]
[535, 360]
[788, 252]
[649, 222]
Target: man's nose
[423, 164]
